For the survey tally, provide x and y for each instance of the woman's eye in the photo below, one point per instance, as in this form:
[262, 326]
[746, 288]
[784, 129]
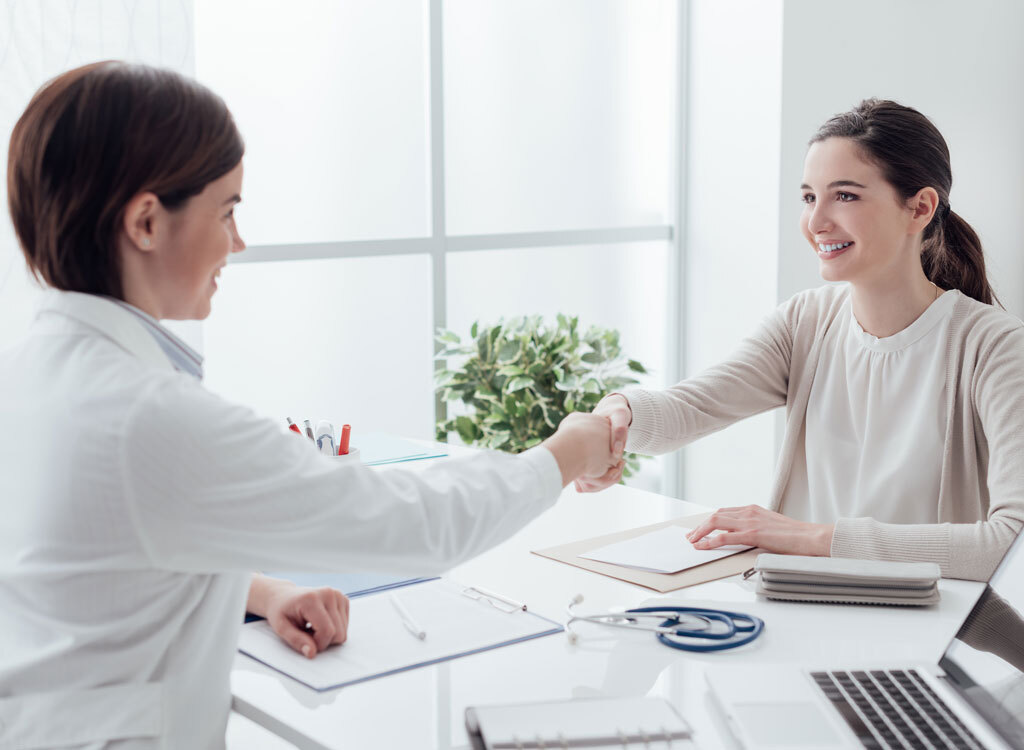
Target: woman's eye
[230, 214]
[846, 197]
[807, 198]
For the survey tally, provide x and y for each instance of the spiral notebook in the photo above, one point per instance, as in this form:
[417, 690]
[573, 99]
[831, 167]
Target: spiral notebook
[579, 724]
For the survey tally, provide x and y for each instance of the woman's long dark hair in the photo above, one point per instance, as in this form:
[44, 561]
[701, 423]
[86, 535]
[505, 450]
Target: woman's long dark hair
[90, 140]
[912, 154]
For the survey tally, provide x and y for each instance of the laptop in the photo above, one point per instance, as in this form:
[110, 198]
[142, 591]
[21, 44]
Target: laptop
[973, 698]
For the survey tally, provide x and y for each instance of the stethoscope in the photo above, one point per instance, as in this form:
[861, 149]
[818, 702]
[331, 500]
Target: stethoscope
[706, 629]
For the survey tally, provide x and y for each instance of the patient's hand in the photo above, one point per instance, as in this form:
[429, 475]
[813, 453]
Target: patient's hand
[290, 608]
[582, 447]
[616, 408]
[759, 527]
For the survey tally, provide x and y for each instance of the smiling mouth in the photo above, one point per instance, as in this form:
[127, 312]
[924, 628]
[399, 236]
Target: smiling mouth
[832, 247]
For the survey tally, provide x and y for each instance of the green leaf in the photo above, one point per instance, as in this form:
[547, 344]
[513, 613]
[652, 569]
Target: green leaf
[593, 358]
[449, 351]
[509, 351]
[517, 384]
[443, 377]
[532, 442]
[467, 429]
[570, 404]
[498, 439]
[570, 383]
[512, 370]
[448, 337]
[636, 366]
[592, 386]
[473, 330]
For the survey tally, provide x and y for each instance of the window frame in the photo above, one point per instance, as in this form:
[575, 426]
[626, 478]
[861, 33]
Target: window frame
[439, 244]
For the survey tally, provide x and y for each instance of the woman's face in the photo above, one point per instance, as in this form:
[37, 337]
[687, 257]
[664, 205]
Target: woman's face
[853, 218]
[200, 236]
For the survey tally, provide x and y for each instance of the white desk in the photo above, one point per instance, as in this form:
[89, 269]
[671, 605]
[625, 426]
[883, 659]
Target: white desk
[424, 708]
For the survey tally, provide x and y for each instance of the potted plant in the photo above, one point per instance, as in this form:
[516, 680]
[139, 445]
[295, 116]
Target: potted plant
[522, 376]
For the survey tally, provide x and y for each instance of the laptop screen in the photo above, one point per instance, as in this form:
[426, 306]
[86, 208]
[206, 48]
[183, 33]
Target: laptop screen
[985, 661]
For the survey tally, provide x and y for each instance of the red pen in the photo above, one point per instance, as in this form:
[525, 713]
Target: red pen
[292, 426]
[346, 431]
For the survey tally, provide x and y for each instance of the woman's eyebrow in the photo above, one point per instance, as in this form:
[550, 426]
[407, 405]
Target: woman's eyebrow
[236, 198]
[837, 183]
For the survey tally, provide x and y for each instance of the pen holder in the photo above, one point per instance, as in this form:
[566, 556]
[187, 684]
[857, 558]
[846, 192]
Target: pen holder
[351, 457]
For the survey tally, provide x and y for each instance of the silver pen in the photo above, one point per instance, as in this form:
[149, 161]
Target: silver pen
[410, 624]
[498, 597]
[309, 430]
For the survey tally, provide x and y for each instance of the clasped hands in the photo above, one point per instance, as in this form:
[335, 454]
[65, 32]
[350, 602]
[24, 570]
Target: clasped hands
[750, 525]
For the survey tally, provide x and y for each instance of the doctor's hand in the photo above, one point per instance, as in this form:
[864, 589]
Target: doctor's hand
[620, 416]
[308, 620]
[759, 527]
[582, 446]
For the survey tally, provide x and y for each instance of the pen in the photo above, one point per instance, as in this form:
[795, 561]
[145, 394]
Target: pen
[325, 437]
[346, 432]
[410, 624]
[292, 426]
[309, 430]
[500, 598]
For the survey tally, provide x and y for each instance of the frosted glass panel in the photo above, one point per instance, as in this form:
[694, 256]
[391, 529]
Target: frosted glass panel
[558, 115]
[614, 286]
[331, 98]
[346, 340]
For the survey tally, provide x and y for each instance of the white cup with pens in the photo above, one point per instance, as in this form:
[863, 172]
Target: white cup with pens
[323, 438]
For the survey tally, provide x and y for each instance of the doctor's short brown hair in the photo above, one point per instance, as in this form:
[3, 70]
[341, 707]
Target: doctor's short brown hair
[93, 138]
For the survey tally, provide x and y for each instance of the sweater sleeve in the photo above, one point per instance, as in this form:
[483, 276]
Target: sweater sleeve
[966, 550]
[994, 626]
[751, 380]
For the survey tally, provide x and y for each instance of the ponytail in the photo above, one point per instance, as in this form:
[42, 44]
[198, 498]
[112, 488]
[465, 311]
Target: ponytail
[952, 257]
[912, 154]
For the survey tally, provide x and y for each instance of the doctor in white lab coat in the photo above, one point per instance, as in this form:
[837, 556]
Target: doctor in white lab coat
[135, 504]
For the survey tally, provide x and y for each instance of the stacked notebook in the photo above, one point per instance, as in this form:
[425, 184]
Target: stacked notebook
[846, 581]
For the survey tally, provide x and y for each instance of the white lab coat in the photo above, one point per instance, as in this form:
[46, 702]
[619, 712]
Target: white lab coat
[135, 505]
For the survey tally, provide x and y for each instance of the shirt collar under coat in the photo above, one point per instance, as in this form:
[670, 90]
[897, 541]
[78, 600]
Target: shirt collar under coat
[133, 330]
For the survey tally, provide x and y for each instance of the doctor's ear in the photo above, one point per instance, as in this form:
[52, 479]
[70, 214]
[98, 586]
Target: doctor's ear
[923, 206]
[140, 216]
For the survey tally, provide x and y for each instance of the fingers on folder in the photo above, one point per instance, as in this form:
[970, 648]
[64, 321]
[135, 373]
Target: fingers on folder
[315, 620]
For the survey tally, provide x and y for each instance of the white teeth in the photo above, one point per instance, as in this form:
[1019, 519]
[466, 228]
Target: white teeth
[831, 248]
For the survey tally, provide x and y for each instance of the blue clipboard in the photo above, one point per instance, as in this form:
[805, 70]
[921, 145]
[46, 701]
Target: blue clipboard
[384, 648]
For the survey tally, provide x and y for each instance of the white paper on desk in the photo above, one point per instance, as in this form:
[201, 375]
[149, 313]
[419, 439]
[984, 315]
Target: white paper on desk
[378, 643]
[665, 550]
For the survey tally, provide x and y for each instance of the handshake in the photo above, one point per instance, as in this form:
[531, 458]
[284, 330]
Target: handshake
[589, 447]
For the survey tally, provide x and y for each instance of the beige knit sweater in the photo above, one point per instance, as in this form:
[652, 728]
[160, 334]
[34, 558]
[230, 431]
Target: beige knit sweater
[980, 507]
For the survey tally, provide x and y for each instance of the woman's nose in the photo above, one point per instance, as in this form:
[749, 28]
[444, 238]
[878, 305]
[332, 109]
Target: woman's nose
[819, 221]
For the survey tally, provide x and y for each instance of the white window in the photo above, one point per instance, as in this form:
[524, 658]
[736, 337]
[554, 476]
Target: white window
[416, 163]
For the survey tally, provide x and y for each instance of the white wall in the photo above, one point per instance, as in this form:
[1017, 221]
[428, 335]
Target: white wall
[731, 203]
[40, 40]
[961, 64]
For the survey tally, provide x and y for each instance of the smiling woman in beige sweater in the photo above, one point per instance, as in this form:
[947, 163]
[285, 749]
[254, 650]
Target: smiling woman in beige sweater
[903, 387]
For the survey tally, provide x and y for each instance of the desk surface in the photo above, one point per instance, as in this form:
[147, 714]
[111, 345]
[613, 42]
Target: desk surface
[424, 708]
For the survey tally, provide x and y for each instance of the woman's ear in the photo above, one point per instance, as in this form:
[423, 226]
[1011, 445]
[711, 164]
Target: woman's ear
[923, 207]
[139, 218]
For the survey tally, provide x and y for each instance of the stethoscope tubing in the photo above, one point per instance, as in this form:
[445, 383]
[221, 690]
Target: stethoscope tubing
[739, 628]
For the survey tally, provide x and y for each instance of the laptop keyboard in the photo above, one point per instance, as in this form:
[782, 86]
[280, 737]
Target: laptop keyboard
[894, 709]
